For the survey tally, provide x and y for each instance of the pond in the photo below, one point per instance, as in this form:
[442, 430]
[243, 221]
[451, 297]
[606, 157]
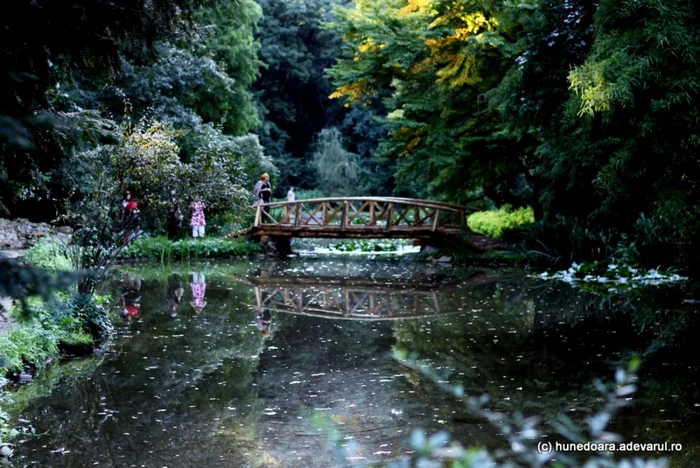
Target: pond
[252, 364]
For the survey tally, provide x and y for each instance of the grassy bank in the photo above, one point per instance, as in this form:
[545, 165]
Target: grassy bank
[162, 248]
[43, 329]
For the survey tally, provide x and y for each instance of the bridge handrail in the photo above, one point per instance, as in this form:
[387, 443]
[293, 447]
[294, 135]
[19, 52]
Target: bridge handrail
[408, 201]
[364, 216]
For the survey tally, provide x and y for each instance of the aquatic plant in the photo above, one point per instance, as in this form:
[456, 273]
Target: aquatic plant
[369, 245]
[524, 435]
[608, 275]
[162, 248]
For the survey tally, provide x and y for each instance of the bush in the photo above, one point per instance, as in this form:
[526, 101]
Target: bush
[497, 223]
[161, 248]
[50, 255]
[34, 340]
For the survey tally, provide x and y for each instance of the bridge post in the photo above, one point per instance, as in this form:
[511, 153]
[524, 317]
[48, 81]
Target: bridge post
[344, 217]
[390, 216]
[297, 217]
[257, 216]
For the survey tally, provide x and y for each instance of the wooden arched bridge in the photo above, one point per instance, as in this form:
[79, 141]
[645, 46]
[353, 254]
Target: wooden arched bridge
[360, 217]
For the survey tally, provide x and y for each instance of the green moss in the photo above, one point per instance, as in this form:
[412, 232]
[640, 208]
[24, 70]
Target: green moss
[496, 223]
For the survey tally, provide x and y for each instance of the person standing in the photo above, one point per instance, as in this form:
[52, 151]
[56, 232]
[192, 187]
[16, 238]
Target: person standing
[263, 191]
[130, 219]
[290, 208]
[125, 201]
[174, 216]
[197, 222]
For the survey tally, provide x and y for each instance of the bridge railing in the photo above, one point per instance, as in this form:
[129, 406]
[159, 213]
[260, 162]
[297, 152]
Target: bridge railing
[363, 213]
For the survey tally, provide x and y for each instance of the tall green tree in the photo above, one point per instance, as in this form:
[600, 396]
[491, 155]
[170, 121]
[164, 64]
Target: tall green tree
[229, 40]
[625, 159]
[431, 63]
[292, 90]
[337, 169]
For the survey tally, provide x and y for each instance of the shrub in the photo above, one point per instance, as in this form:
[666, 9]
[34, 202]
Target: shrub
[50, 255]
[497, 223]
[34, 340]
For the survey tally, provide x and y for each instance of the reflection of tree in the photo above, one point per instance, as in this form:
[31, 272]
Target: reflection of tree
[172, 388]
[538, 347]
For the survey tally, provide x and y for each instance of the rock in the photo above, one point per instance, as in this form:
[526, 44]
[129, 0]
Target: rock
[445, 259]
[21, 233]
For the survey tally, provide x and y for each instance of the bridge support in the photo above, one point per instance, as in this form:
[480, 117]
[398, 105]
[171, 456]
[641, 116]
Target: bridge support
[279, 245]
[438, 242]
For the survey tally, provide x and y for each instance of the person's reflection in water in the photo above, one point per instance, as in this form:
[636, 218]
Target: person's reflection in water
[263, 320]
[199, 289]
[131, 298]
[175, 293]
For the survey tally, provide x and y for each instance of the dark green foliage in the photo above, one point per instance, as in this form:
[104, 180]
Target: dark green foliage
[627, 161]
[21, 281]
[293, 91]
[46, 41]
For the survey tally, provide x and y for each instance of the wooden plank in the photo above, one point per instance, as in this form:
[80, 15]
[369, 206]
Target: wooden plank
[372, 219]
[403, 215]
[358, 212]
[435, 220]
[427, 214]
[311, 216]
[267, 215]
[345, 214]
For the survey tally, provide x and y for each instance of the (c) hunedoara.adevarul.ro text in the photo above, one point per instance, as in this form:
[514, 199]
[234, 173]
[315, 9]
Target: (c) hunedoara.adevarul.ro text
[549, 447]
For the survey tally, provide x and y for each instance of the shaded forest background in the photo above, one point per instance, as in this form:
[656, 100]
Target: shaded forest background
[586, 111]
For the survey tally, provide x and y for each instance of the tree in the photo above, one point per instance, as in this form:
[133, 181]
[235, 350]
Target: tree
[336, 168]
[431, 62]
[625, 156]
[292, 91]
[44, 42]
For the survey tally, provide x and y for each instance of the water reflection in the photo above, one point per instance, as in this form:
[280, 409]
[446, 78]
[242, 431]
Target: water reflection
[199, 291]
[131, 298]
[263, 320]
[212, 390]
[356, 298]
[175, 294]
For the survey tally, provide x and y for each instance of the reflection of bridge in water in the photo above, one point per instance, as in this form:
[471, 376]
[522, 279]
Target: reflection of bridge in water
[355, 299]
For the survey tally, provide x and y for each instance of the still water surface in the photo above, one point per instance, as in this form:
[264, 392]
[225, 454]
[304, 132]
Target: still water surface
[235, 364]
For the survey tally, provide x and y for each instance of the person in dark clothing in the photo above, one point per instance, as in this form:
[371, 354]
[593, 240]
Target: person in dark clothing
[174, 216]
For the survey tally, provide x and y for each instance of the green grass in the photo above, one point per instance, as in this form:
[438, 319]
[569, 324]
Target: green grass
[161, 248]
[497, 223]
